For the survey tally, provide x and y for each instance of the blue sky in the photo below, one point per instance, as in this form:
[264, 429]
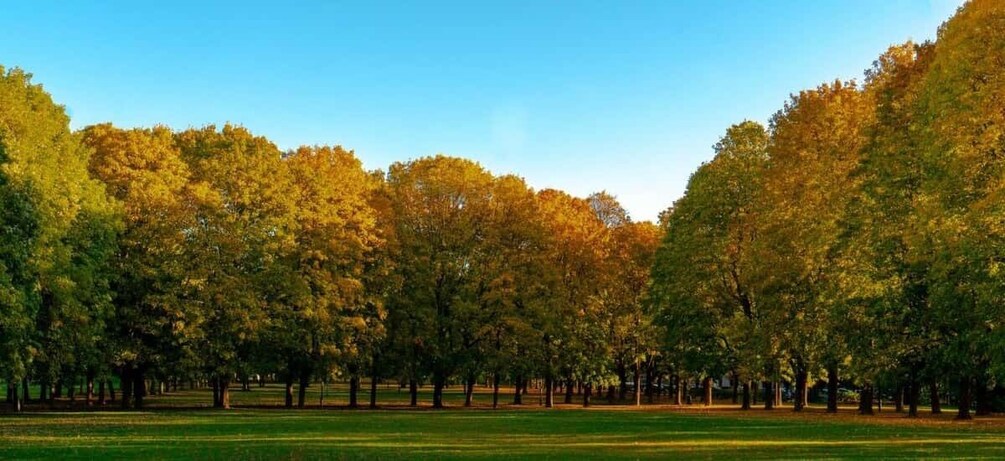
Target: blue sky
[625, 96]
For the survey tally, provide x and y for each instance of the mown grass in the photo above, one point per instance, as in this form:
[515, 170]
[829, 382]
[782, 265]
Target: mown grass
[567, 433]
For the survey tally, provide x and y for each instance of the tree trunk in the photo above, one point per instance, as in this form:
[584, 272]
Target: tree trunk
[90, 388]
[912, 398]
[898, 398]
[373, 389]
[469, 390]
[877, 392]
[43, 391]
[736, 388]
[495, 390]
[225, 392]
[865, 400]
[778, 393]
[353, 390]
[706, 386]
[413, 392]
[678, 391]
[305, 380]
[933, 390]
[964, 400]
[101, 392]
[139, 390]
[13, 397]
[638, 383]
[800, 397]
[587, 391]
[288, 395]
[517, 395]
[769, 395]
[549, 391]
[746, 396]
[439, 380]
[111, 391]
[832, 388]
[569, 390]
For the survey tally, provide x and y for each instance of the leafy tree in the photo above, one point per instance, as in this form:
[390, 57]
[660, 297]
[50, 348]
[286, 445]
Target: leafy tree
[705, 276]
[632, 249]
[572, 331]
[514, 284]
[441, 208]
[879, 278]
[334, 317]
[44, 181]
[814, 149]
[152, 326]
[244, 231]
[960, 126]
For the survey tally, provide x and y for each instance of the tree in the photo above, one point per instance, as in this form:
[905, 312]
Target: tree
[705, 274]
[813, 151]
[244, 231]
[44, 181]
[514, 285]
[960, 126]
[573, 334]
[633, 247]
[18, 297]
[441, 208]
[334, 316]
[152, 325]
[880, 278]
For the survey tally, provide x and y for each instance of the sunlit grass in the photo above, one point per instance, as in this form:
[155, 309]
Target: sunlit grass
[483, 433]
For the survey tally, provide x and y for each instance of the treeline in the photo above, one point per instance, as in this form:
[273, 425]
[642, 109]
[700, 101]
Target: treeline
[856, 241]
[140, 256]
[859, 238]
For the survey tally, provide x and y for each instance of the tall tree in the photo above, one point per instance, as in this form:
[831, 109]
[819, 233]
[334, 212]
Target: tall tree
[572, 331]
[705, 276]
[335, 316]
[879, 277]
[441, 208]
[243, 232]
[152, 326]
[43, 174]
[632, 249]
[960, 126]
[815, 144]
[514, 284]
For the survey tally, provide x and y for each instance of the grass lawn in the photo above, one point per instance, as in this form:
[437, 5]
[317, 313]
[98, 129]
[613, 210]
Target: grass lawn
[564, 433]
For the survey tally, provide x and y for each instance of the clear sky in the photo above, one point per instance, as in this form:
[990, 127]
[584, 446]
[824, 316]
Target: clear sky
[620, 95]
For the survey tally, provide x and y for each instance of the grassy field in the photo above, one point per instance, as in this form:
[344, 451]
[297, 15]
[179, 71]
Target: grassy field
[564, 433]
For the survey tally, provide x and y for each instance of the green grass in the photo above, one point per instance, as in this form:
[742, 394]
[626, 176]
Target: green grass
[483, 433]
